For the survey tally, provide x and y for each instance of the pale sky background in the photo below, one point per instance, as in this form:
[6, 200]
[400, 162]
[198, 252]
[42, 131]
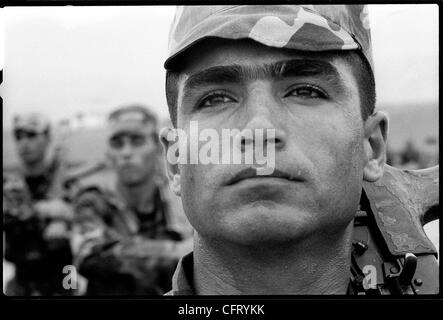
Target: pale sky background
[62, 60]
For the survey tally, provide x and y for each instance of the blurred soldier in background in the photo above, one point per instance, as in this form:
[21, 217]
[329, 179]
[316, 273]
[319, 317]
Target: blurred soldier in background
[36, 220]
[128, 236]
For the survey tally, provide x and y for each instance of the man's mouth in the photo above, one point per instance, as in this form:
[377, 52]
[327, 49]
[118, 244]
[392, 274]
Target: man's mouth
[26, 153]
[128, 167]
[251, 173]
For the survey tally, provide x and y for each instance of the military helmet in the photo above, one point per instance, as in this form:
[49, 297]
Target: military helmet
[299, 27]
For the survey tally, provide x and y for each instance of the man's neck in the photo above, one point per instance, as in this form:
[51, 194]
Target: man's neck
[319, 265]
[140, 197]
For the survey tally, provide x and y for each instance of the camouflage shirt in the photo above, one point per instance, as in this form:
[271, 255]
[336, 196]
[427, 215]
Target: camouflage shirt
[124, 252]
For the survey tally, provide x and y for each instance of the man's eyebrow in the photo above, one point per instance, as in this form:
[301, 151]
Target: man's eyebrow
[303, 68]
[234, 74]
[214, 75]
[311, 68]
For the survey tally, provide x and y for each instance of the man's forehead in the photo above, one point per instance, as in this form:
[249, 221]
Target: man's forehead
[333, 71]
[133, 115]
[244, 61]
[244, 53]
[31, 122]
[130, 131]
[130, 122]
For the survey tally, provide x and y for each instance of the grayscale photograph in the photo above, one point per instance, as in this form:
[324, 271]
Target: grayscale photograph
[227, 150]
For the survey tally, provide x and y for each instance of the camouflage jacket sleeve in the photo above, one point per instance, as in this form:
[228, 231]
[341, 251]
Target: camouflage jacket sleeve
[100, 250]
[40, 243]
[90, 236]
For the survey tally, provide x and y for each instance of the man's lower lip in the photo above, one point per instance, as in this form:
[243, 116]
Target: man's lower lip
[127, 168]
[263, 180]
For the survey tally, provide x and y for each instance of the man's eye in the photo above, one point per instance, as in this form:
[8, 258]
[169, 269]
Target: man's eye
[215, 99]
[137, 141]
[116, 143]
[308, 92]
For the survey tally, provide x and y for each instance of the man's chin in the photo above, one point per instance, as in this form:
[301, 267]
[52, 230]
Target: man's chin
[267, 222]
[30, 159]
[131, 181]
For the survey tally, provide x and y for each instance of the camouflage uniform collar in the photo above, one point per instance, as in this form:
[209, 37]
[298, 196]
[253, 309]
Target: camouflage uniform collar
[154, 217]
[147, 206]
[47, 167]
[183, 279]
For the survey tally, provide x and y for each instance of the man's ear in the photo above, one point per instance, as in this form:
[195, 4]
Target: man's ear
[170, 143]
[375, 133]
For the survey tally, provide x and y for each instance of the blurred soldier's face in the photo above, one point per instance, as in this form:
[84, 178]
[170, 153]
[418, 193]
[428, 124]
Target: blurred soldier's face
[313, 104]
[133, 154]
[31, 146]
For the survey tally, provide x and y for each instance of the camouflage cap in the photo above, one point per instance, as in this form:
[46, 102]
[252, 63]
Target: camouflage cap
[300, 27]
[34, 122]
[131, 119]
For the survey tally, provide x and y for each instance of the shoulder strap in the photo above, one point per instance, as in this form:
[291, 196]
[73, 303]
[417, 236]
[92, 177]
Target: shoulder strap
[399, 207]
[379, 268]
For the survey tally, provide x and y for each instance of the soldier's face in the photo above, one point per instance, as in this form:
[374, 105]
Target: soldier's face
[313, 104]
[133, 155]
[31, 146]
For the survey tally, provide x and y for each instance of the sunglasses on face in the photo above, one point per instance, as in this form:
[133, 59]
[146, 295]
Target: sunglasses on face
[21, 134]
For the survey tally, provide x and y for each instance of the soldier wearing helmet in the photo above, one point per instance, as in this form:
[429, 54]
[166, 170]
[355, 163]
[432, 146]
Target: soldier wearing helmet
[129, 232]
[305, 71]
[32, 137]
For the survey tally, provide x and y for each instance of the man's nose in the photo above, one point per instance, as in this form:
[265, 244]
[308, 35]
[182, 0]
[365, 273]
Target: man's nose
[127, 149]
[23, 143]
[263, 114]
